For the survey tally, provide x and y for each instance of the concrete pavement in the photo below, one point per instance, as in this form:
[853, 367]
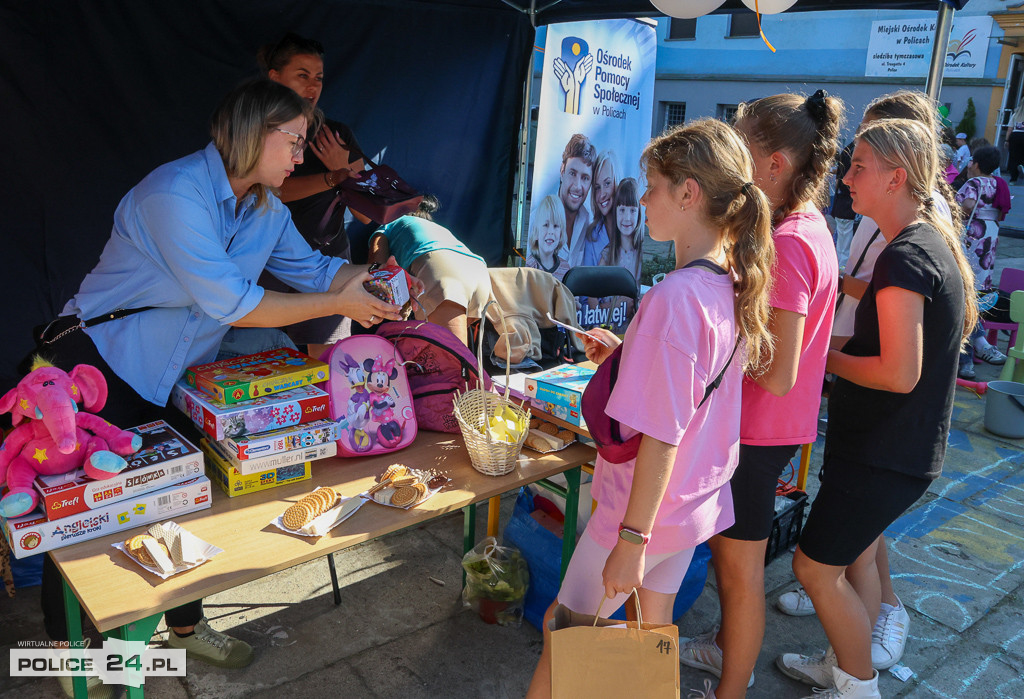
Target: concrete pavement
[957, 559]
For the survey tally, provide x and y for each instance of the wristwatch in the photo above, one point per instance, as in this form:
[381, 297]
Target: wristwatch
[632, 536]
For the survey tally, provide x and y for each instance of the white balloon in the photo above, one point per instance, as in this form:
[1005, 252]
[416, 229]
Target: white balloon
[770, 7]
[687, 9]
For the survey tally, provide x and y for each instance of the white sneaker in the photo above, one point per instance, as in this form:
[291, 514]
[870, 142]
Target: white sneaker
[703, 653]
[795, 603]
[889, 637]
[706, 693]
[815, 670]
[849, 687]
[988, 353]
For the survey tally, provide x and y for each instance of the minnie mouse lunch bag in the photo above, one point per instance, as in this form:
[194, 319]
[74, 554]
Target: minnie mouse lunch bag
[370, 396]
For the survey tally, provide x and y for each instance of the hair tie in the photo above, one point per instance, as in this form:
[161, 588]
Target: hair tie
[929, 201]
[747, 188]
[816, 106]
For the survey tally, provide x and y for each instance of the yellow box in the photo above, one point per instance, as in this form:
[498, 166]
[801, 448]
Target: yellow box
[234, 483]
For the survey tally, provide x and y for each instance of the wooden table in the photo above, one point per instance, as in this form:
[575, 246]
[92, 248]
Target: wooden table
[123, 599]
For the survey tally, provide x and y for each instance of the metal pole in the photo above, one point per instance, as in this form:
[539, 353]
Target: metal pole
[943, 25]
[524, 153]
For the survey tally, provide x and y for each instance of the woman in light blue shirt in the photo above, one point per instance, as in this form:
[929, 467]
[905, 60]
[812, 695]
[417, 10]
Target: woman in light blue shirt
[180, 268]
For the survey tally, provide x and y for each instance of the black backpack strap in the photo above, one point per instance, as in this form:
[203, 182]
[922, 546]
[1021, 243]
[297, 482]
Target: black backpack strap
[721, 375]
[707, 264]
[860, 261]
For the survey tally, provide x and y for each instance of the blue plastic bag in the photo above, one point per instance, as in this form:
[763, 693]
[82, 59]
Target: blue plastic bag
[543, 553]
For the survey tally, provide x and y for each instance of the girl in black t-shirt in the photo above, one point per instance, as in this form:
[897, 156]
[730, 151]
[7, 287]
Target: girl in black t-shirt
[890, 409]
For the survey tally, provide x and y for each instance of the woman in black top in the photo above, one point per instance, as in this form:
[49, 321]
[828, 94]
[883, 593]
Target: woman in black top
[332, 154]
[890, 410]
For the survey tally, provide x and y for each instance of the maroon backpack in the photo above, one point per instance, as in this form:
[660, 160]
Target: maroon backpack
[438, 365]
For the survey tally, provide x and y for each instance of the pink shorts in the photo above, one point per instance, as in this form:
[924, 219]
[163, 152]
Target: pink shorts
[583, 588]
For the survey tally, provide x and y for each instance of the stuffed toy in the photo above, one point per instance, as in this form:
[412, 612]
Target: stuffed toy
[58, 438]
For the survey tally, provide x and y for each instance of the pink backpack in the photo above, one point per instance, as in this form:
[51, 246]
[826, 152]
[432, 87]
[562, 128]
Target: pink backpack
[439, 365]
[370, 396]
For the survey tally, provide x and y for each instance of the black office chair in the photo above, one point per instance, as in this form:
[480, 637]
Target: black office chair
[601, 281]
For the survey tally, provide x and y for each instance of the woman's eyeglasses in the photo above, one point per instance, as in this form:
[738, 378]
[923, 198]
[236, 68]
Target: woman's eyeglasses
[300, 142]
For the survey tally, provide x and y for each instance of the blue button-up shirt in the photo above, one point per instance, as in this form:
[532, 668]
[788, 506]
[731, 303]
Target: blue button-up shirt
[179, 245]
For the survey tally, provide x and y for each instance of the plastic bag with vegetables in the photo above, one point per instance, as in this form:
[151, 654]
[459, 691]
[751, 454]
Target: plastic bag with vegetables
[496, 582]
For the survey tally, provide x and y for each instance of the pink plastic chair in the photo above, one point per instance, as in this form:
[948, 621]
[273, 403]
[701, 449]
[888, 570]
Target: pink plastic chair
[1010, 280]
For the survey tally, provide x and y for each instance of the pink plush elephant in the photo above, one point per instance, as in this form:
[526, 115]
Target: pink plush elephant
[58, 438]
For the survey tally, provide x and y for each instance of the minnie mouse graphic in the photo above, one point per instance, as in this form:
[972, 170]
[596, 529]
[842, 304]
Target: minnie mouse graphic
[379, 375]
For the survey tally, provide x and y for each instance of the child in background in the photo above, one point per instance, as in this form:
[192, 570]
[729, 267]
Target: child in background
[655, 508]
[625, 248]
[548, 240]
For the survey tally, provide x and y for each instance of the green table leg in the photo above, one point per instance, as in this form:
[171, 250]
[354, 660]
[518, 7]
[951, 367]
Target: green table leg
[73, 614]
[468, 533]
[141, 631]
[572, 503]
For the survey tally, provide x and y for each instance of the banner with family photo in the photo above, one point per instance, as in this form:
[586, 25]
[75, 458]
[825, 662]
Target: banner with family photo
[596, 102]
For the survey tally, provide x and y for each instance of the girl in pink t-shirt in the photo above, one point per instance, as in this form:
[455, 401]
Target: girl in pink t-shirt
[793, 141]
[654, 509]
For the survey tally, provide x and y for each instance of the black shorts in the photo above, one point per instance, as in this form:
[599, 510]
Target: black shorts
[854, 506]
[753, 489]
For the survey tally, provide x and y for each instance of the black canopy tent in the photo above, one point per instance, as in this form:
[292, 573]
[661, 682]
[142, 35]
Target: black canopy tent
[98, 94]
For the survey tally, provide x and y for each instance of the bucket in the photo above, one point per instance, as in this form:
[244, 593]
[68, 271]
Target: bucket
[1004, 409]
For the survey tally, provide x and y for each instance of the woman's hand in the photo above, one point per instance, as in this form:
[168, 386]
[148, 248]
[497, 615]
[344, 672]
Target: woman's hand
[595, 351]
[332, 151]
[624, 568]
[355, 302]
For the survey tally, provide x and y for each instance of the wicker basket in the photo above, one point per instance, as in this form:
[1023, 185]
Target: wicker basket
[473, 411]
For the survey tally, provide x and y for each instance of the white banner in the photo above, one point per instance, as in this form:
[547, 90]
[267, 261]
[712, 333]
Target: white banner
[596, 101]
[903, 48]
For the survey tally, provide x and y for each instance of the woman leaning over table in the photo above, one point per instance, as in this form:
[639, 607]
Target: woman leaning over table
[187, 246]
[890, 409]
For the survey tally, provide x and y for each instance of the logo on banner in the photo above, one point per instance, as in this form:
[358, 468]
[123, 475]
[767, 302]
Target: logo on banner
[956, 46]
[572, 69]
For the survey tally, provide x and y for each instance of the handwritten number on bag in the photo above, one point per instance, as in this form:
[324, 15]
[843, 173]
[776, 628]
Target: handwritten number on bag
[665, 646]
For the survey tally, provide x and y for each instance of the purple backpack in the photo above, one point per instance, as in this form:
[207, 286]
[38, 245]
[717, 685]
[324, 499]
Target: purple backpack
[438, 365]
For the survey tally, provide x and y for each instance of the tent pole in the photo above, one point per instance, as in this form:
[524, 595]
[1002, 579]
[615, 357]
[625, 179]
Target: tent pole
[524, 142]
[943, 25]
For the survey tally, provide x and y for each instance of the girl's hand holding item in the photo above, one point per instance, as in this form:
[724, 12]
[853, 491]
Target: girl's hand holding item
[624, 568]
[415, 285]
[595, 351]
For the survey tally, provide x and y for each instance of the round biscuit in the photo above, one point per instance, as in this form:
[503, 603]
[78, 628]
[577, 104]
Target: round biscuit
[135, 543]
[297, 516]
[405, 495]
[566, 436]
[331, 496]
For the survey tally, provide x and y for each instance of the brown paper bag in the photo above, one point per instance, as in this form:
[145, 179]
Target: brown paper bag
[588, 659]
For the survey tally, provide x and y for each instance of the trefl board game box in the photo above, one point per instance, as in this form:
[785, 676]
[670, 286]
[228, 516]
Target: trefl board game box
[243, 378]
[559, 390]
[235, 483]
[285, 439]
[266, 463]
[296, 406]
[33, 533]
[165, 458]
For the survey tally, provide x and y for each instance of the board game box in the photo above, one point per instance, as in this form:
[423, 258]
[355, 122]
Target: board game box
[165, 458]
[559, 391]
[33, 533]
[296, 406]
[285, 439]
[251, 376]
[234, 483]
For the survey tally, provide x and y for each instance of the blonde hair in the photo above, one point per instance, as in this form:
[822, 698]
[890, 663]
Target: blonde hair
[551, 206]
[712, 154]
[606, 156]
[919, 107]
[241, 122]
[806, 131]
[907, 144]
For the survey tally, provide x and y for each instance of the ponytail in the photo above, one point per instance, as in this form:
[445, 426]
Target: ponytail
[752, 256]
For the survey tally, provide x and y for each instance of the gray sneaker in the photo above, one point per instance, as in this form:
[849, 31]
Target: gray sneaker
[795, 603]
[815, 670]
[212, 647]
[703, 653]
